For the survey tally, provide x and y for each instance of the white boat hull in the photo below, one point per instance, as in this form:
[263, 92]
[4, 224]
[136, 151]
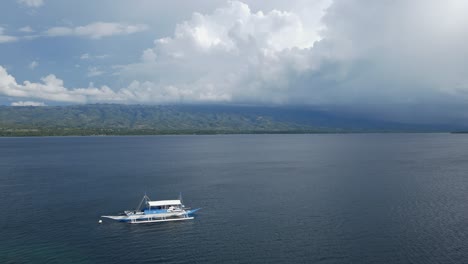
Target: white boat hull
[156, 211]
[150, 218]
[161, 220]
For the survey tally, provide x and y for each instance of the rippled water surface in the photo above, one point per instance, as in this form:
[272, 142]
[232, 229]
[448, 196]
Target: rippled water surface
[359, 198]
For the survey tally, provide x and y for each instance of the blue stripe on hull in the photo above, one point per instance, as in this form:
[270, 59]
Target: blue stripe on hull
[155, 211]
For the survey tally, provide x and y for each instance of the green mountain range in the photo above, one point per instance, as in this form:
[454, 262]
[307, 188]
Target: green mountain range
[115, 119]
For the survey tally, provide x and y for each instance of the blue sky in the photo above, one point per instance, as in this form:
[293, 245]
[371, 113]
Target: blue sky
[400, 59]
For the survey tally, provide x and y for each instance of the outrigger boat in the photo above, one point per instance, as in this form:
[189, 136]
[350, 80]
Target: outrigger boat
[156, 211]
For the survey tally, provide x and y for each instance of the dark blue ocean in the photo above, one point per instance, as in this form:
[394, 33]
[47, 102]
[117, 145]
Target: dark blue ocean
[346, 198]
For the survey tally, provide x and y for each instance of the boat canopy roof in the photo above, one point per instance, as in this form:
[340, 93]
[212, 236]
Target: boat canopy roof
[164, 202]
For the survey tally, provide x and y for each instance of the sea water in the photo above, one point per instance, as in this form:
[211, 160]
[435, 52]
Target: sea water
[323, 198]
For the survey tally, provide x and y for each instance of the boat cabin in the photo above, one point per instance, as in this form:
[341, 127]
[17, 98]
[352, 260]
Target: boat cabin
[163, 206]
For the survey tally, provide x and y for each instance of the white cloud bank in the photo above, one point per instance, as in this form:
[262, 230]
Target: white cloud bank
[52, 88]
[96, 30]
[380, 53]
[28, 103]
[398, 52]
[233, 54]
[206, 60]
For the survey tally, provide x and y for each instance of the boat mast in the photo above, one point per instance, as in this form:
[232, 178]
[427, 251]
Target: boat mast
[145, 199]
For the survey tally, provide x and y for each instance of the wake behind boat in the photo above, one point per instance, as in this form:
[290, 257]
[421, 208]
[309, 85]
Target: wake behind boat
[155, 211]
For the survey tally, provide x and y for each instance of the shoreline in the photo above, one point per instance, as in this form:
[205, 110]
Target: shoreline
[214, 133]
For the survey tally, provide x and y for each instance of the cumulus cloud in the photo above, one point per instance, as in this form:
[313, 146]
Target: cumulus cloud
[233, 54]
[230, 55]
[148, 56]
[28, 103]
[6, 38]
[363, 53]
[31, 3]
[353, 53]
[96, 30]
[52, 88]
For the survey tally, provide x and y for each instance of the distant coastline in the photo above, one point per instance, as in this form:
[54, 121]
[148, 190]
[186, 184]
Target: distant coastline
[128, 120]
[147, 132]
[110, 132]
